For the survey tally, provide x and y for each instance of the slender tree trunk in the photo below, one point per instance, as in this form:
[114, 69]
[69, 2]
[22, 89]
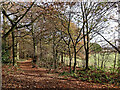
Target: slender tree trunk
[74, 68]
[18, 51]
[102, 61]
[87, 52]
[102, 64]
[34, 46]
[70, 58]
[115, 59]
[105, 64]
[40, 57]
[88, 40]
[95, 64]
[56, 57]
[115, 52]
[98, 60]
[34, 52]
[62, 58]
[13, 49]
[87, 58]
[54, 51]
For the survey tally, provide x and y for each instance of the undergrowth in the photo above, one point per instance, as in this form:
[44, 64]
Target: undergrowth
[95, 75]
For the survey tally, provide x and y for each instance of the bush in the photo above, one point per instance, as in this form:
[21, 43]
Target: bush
[95, 47]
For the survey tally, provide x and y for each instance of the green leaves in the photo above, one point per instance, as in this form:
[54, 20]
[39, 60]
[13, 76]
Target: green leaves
[94, 47]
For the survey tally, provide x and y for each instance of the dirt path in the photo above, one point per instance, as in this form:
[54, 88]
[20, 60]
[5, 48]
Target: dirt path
[29, 77]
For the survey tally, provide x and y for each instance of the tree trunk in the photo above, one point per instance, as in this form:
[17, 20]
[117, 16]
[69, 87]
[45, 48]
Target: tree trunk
[95, 64]
[13, 49]
[34, 52]
[70, 58]
[102, 64]
[17, 51]
[98, 60]
[115, 60]
[62, 57]
[54, 51]
[56, 57]
[105, 64]
[34, 47]
[40, 50]
[74, 68]
[87, 59]
[102, 61]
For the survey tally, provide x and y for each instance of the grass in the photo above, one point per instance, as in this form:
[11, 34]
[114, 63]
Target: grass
[108, 59]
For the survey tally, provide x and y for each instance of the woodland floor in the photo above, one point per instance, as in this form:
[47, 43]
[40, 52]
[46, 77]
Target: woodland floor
[25, 76]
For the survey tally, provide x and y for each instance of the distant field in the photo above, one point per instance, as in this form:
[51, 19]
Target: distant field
[107, 58]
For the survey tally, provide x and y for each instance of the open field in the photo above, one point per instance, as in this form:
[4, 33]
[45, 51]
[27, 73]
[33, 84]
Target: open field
[107, 58]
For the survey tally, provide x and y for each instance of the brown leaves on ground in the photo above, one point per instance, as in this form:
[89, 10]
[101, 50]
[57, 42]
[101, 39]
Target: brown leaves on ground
[25, 76]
